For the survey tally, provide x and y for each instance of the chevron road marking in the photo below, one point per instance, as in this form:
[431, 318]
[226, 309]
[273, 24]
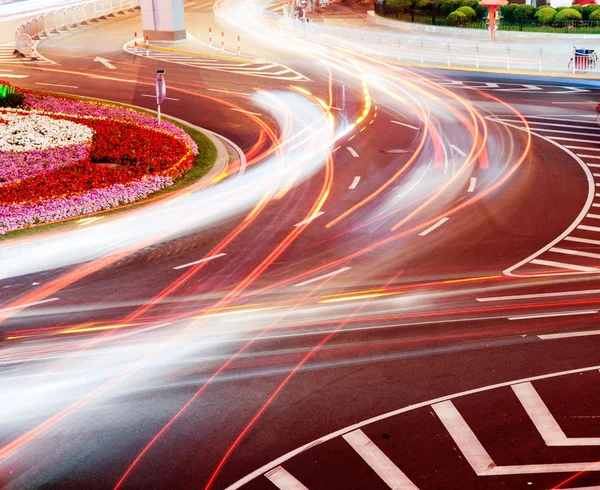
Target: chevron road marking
[557, 294]
[283, 480]
[562, 265]
[480, 460]
[543, 420]
[378, 461]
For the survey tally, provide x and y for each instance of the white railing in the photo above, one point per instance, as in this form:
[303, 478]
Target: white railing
[391, 46]
[67, 18]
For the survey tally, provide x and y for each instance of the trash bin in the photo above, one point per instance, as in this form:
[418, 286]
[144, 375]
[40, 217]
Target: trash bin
[582, 58]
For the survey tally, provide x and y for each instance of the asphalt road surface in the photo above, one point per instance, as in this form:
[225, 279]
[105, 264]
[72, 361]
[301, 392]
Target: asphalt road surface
[413, 304]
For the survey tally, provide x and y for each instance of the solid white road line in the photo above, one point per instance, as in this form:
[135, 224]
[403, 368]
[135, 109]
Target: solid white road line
[562, 265]
[283, 480]
[354, 182]
[472, 184]
[378, 461]
[458, 150]
[56, 85]
[352, 152]
[463, 436]
[27, 305]
[324, 276]
[227, 91]
[246, 112]
[566, 335]
[310, 218]
[567, 251]
[543, 420]
[205, 259]
[433, 227]
[154, 96]
[557, 294]
[404, 124]
[551, 315]
[583, 240]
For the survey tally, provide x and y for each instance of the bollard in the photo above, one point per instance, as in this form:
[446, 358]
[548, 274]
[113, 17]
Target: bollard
[222, 41]
[238, 45]
[147, 47]
[135, 41]
[210, 36]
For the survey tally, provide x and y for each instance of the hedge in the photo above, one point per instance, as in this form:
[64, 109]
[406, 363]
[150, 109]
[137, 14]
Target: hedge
[567, 14]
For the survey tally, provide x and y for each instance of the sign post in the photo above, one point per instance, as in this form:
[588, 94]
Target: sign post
[161, 90]
[492, 5]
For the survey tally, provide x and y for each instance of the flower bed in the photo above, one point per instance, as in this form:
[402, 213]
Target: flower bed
[105, 156]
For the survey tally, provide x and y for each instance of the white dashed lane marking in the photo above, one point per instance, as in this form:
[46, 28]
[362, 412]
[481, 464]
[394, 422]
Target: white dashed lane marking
[354, 182]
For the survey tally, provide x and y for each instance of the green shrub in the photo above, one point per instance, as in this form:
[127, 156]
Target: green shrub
[558, 9]
[426, 5]
[567, 14]
[595, 15]
[588, 9]
[507, 12]
[468, 11]
[579, 8]
[399, 4]
[456, 18]
[446, 7]
[523, 13]
[545, 15]
[10, 96]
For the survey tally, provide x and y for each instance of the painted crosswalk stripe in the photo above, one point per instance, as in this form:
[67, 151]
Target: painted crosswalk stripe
[552, 315]
[283, 480]
[594, 216]
[562, 265]
[588, 228]
[567, 251]
[378, 461]
[583, 240]
[433, 227]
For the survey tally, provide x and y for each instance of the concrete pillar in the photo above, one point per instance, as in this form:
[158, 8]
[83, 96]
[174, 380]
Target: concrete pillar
[162, 20]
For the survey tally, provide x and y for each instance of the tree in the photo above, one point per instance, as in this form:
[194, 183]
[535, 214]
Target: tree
[588, 9]
[523, 13]
[507, 12]
[425, 5]
[446, 7]
[595, 15]
[401, 5]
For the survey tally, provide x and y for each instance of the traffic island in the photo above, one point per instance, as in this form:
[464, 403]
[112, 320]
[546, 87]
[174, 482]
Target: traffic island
[63, 158]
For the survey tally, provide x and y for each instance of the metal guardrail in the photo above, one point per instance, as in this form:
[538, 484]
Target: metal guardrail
[390, 46]
[67, 18]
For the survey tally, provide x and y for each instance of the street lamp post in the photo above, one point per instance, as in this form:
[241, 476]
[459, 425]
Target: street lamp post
[161, 90]
[492, 5]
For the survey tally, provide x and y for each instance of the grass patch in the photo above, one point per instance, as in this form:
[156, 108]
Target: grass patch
[204, 161]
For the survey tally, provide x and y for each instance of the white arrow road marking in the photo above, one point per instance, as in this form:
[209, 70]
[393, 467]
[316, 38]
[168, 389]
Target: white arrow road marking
[354, 182]
[205, 259]
[480, 460]
[472, 184]
[404, 124]
[283, 480]
[310, 218]
[433, 227]
[458, 150]
[352, 152]
[324, 276]
[378, 461]
[543, 420]
[27, 305]
[105, 62]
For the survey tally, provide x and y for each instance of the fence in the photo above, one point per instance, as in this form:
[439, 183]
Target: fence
[433, 18]
[67, 18]
[393, 46]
